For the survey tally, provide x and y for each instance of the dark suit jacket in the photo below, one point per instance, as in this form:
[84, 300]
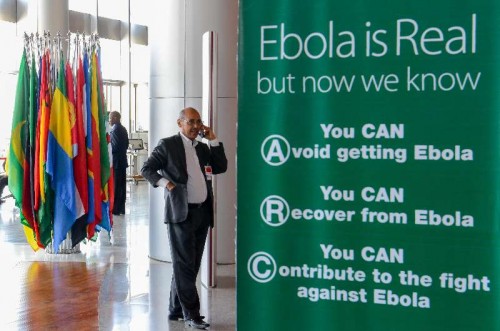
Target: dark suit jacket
[168, 160]
[119, 146]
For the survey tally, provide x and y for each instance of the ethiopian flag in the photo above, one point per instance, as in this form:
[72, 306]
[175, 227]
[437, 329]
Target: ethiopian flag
[18, 142]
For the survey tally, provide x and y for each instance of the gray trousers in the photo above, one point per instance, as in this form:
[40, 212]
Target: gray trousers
[187, 242]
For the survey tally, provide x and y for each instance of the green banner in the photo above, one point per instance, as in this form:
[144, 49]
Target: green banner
[368, 165]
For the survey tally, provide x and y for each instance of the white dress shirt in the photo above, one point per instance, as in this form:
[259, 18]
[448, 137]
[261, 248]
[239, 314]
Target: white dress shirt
[196, 186]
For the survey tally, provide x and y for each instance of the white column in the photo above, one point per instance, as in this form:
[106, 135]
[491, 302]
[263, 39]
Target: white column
[53, 16]
[175, 39]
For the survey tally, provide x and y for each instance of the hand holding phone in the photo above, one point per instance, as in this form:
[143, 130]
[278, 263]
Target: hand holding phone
[202, 133]
[207, 133]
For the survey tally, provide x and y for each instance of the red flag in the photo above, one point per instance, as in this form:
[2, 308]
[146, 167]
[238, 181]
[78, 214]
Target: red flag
[36, 164]
[79, 229]
[94, 152]
[78, 142]
[43, 193]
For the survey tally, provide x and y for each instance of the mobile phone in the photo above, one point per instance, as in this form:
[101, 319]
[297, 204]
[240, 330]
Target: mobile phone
[201, 133]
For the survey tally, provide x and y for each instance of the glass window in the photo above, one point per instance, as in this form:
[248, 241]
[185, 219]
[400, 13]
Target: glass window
[110, 59]
[142, 107]
[9, 67]
[112, 96]
[87, 6]
[8, 84]
[139, 13]
[140, 63]
[11, 56]
[116, 9]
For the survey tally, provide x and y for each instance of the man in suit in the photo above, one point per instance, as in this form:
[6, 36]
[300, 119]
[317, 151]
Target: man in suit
[184, 166]
[119, 146]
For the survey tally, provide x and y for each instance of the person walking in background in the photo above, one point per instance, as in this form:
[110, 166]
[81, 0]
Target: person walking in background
[183, 165]
[119, 146]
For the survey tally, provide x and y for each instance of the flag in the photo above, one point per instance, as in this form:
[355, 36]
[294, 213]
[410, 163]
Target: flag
[79, 228]
[43, 193]
[29, 152]
[93, 150]
[36, 161]
[87, 120]
[60, 162]
[105, 146]
[78, 144]
[18, 142]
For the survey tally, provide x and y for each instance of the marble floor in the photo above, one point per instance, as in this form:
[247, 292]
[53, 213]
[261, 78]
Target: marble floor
[111, 284]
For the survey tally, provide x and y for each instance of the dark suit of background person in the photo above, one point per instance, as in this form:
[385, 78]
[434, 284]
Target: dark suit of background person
[4, 181]
[188, 210]
[119, 146]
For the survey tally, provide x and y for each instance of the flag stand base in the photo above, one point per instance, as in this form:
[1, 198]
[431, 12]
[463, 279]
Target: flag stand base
[64, 248]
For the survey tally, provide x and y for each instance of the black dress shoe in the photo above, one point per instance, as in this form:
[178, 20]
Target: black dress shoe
[175, 316]
[197, 323]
